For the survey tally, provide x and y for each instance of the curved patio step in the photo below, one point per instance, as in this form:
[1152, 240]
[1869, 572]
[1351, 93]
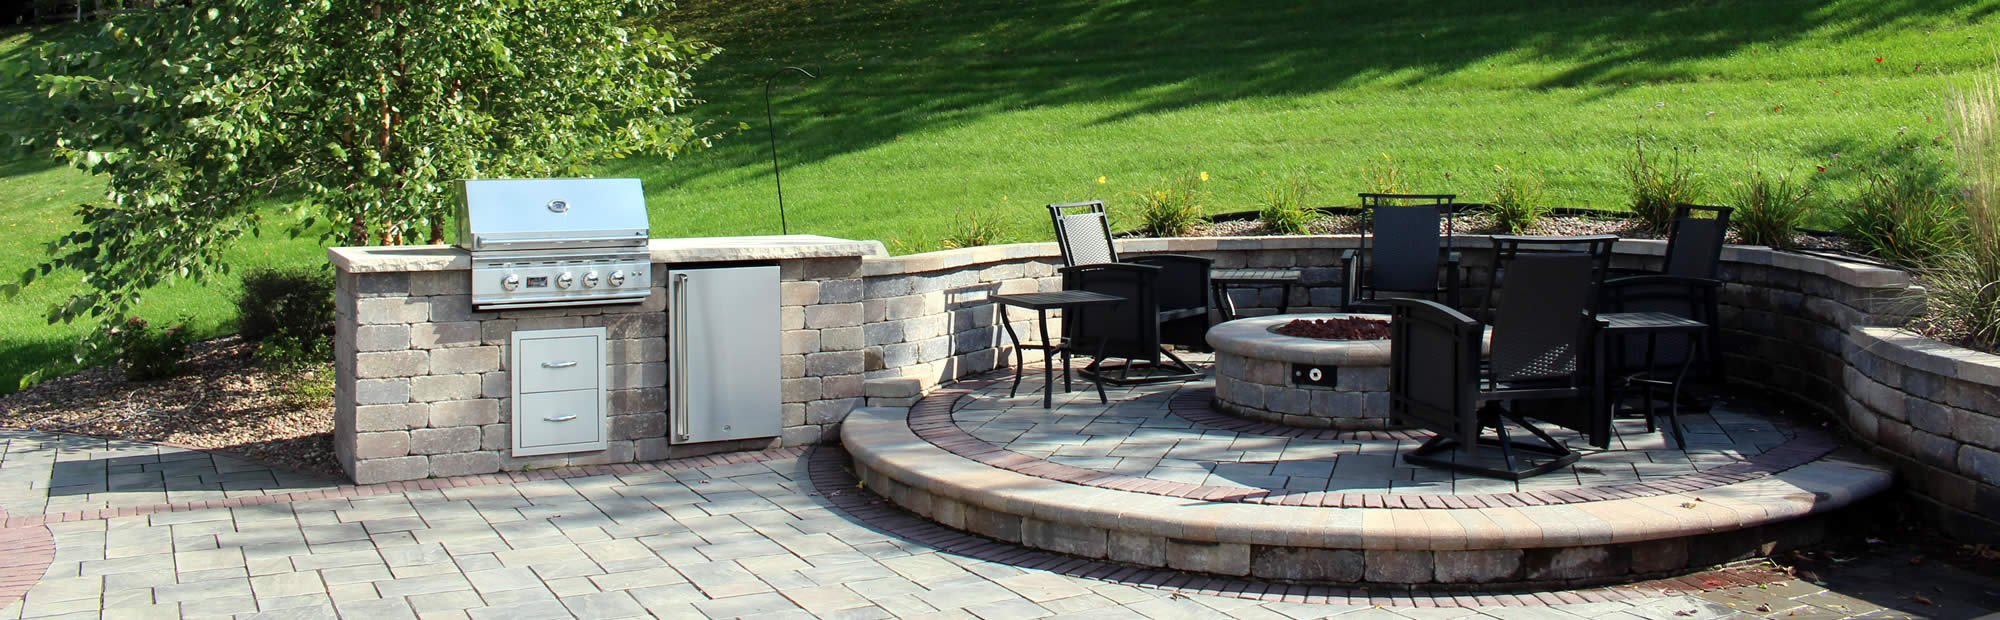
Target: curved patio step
[1585, 540]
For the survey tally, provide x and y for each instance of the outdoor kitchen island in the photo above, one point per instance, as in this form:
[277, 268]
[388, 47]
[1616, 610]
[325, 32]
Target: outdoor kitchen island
[426, 383]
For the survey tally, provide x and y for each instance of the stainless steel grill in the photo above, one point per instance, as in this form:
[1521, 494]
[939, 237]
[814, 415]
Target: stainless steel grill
[539, 243]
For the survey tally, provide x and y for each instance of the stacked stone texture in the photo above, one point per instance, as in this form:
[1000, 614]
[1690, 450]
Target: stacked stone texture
[420, 373]
[423, 387]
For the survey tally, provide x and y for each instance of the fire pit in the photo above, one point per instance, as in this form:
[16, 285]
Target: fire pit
[1262, 374]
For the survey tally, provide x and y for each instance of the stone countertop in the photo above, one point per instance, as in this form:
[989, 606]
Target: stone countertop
[388, 259]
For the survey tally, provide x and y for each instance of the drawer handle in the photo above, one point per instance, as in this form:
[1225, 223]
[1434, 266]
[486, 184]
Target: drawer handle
[559, 364]
[564, 418]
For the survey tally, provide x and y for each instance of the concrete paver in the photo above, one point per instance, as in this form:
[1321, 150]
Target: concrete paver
[724, 541]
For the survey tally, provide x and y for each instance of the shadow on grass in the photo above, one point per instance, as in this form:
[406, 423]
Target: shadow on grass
[892, 68]
[22, 357]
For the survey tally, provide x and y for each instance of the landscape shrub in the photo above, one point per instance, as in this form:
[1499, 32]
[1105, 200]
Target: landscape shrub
[1903, 217]
[146, 353]
[1517, 198]
[1174, 209]
[1659, 186]
[1768, 208]
[1965, 287]
[976, 231]
[1284, 209]
[292, 303]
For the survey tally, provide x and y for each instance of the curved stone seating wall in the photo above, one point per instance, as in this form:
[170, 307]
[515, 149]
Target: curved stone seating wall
[1808, 328]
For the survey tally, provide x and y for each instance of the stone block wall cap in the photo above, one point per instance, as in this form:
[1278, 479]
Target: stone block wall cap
[1910, 349]
[1253, 338]
[958, 257]
[893, 387]
[763, 247]
[393, 259]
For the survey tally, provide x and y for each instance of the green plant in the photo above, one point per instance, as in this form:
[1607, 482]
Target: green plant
[1768, 208]
[293, 303]
[1965, 289]
[194, 112]
[976, 231]
[1903, 217]
[1388, 178]
[1657, 187]
[1517, 200]
[146, 353]
[1284, 209]
[301, 368]
[1172, 210]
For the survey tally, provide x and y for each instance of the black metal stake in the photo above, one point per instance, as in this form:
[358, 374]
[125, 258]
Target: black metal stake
[771, 126]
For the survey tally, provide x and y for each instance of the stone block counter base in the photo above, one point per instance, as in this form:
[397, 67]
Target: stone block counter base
[1253, 375]
[422, 385]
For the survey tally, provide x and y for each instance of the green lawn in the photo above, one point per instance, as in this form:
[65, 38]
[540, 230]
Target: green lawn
[928, 112]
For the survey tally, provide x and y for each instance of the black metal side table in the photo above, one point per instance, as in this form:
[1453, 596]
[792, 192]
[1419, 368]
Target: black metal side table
[1042, 303]
[1221, 280]
[1651, 325]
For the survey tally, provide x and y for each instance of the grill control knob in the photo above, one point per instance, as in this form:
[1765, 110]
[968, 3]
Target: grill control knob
[565, 280]
[590, 279]
[510, 282]
[618, 278]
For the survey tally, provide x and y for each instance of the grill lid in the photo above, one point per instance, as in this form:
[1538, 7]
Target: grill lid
[548, 214]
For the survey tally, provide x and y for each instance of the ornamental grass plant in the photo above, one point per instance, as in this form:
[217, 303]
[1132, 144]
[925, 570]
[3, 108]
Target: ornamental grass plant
[1965, 284]
[1768, 208]
[1658, 185]
[1283, 208]
[1172, 209]
[1517, 200]
[1904, 217]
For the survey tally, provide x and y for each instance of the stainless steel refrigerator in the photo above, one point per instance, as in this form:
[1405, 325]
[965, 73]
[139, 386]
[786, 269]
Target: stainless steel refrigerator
[723, 354]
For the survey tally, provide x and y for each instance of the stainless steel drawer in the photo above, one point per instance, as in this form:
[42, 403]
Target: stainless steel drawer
[556, 364]
[559, 418]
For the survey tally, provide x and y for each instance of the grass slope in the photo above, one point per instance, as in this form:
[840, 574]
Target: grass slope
[926, 113]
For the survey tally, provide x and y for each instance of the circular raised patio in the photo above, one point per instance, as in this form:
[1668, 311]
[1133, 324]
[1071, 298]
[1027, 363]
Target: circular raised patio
[1266, 376]
[1161, 479]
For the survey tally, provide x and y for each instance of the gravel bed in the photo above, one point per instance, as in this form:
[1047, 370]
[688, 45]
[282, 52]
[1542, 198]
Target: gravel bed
[224, 402]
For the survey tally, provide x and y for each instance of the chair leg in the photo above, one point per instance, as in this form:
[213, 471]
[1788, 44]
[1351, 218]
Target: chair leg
[1096, 379]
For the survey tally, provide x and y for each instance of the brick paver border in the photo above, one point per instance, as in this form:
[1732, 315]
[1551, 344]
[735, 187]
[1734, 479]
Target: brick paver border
[931, 420]
[25, 554]
[828, 468]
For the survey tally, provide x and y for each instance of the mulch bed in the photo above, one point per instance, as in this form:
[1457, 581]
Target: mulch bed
[1483, 224]
[223, 402]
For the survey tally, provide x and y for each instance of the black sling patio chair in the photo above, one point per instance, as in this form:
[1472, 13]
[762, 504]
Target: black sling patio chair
[1128, 330]
[1402, 250]
[1083, 232]
[1694, 253]
[1540, 363]
[1506, 248]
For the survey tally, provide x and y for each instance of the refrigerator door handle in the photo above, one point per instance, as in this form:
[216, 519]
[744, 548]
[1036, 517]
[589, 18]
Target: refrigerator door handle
[677, 357]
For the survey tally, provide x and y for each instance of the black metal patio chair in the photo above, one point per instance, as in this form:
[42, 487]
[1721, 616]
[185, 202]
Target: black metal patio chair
[1540, 366]
[1127, 330]
[1083, 232]
[1402, 250]
[1694, 252]
[1506, 248]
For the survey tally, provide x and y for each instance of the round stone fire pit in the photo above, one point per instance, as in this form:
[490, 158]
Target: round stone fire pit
[1270, 377]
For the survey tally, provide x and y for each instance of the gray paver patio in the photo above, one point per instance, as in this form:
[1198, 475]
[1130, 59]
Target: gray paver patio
[750, 540]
